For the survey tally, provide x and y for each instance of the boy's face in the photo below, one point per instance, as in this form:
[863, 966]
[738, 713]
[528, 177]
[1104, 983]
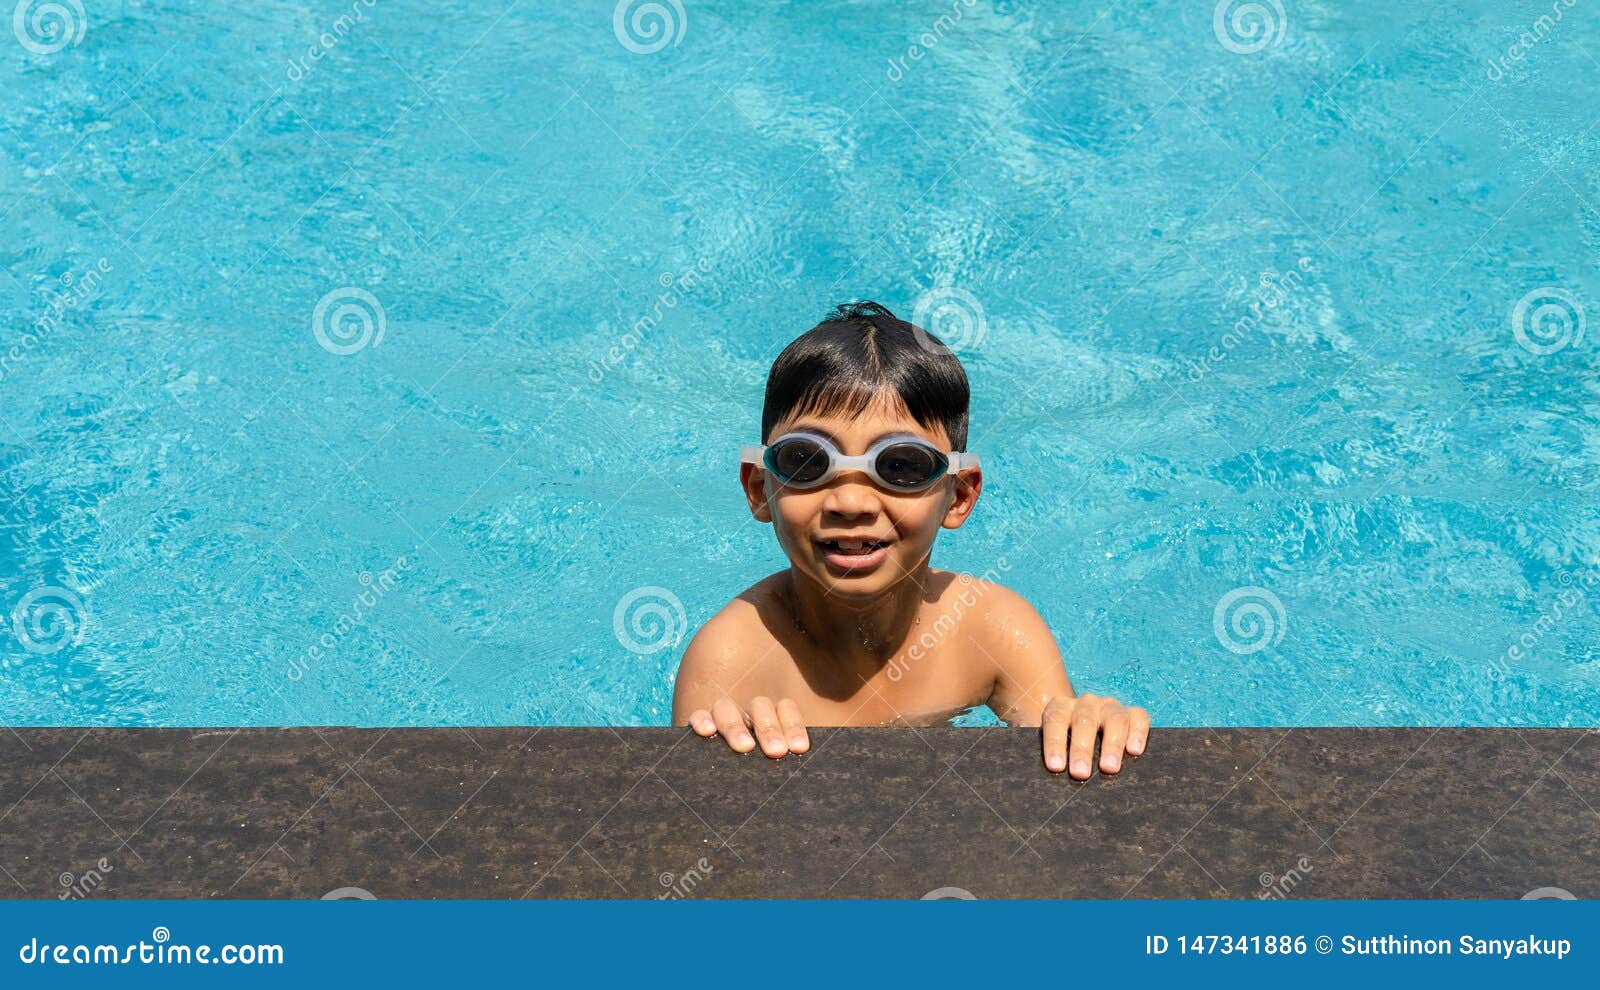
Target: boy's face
[827, 531]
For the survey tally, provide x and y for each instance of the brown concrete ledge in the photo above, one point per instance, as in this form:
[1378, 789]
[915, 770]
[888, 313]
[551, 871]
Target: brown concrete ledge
[523, 812]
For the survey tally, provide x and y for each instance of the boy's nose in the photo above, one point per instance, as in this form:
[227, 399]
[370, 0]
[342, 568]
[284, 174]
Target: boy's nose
[852, 498]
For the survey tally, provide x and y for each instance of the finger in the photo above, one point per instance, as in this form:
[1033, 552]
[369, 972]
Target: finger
[1138, 730]
[1054, 722]
[730, 722]
[1085, 726]
[794, 726]
[764, 718]
[702, 723]
[1113, 736]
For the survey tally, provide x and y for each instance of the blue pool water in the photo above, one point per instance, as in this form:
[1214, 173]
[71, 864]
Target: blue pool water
[387, 363]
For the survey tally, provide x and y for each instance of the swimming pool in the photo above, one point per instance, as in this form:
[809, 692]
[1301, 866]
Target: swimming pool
[385, 363]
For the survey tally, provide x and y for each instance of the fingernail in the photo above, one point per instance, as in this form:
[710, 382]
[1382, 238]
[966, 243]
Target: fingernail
[1111, 766]
[1056, 763]
[1080, 767]
[1136, 746]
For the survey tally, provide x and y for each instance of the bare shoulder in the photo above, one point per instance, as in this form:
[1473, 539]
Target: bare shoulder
[1002, 625]
[742, 623]
[1007, 633]
[723, 649]
[988, 609]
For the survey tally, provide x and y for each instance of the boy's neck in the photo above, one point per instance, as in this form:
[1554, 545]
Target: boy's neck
[861, 634]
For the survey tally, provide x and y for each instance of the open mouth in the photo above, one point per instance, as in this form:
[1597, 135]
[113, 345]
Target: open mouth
[852, 546]
[854, 554]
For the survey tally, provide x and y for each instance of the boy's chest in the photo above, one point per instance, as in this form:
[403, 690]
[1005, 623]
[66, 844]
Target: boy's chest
[918, 686]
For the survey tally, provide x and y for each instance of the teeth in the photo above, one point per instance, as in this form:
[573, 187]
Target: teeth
[853, 546]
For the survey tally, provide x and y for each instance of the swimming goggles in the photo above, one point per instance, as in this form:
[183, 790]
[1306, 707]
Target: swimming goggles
[898, 463]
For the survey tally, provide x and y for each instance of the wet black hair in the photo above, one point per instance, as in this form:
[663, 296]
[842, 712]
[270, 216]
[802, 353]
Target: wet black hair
[860, 352]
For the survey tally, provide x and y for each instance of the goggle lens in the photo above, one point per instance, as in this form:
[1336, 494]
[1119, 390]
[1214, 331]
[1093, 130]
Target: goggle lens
[798, 461]
[910, 465]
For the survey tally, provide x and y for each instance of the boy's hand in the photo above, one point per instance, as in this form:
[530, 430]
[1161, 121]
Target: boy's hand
[778, 727]
[1082, 718]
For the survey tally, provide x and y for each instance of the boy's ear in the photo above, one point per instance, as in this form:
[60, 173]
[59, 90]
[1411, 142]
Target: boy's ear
[754, 481]
[969, 484]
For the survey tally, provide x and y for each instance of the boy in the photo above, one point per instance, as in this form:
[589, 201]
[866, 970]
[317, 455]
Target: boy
[865, 432]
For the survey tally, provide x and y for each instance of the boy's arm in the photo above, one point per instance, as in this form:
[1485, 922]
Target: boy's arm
[708, 663]
[1031, 688]
[1029, 671]
[718, 660]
